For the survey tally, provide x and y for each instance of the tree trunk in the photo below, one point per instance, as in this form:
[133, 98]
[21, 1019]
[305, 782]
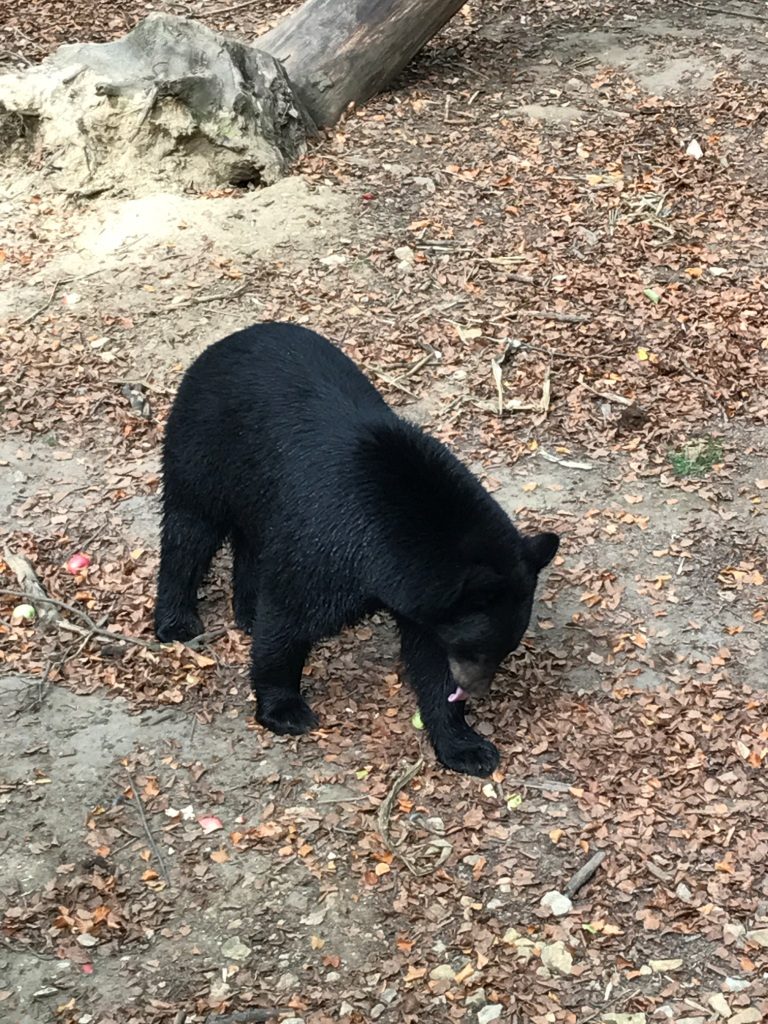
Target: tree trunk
[341, 51]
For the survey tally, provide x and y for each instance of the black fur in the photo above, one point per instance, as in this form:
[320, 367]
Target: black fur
[335, 507]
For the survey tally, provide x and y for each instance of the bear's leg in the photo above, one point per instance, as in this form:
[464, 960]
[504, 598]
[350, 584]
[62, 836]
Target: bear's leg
[456, 744]
[245, 580]
[277, 658]
[188, 544]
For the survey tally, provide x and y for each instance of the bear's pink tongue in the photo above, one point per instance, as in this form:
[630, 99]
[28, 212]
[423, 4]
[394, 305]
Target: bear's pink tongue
[458, 694]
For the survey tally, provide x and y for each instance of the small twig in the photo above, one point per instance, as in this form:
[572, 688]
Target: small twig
[254, 1016]
[96, 630]
[722, 10]
[385, 813]
[152, 96]
[28, 580]
[550, 314]
[558, 787]
[234, 294]
[611, 1002]
[213, 14]
[584, 874]
[607, 396]
[389, 379]
[567, 463]
[147, 829]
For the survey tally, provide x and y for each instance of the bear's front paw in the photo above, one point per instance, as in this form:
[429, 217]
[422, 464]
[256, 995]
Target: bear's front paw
[183, 627]
[471, 756]
[289, 717]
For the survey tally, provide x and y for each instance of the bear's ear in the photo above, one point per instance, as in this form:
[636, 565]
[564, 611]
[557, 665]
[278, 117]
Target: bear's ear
[541, 548]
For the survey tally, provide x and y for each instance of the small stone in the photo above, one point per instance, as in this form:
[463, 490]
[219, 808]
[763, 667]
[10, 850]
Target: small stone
[735, 984]
[733, 932]
[759, 936]
[749, 1016]
[443, 972]
[510, 936]
[645, 970]
[489, 1013]
[234, 949]
[557, 958]
[719, 1004]
[404, 253]
[556, 903]
[288, 982]
[220, 990]
[662, 966]
[476, 998]
[624, 1018]
[346, 1009]
[683, 892]
[377, 1011]
[334, 260]
[388, 996]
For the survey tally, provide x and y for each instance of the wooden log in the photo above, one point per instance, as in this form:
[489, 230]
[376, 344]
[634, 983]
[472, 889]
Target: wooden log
[338, 52]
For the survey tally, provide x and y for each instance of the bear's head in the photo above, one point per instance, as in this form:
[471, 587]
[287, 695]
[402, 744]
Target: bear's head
[490, 613]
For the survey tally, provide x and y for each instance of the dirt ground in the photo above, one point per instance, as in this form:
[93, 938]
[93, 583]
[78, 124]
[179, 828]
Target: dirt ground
[523, 195]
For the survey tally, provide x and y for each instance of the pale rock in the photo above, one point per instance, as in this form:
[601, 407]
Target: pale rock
[662, 966]
[377, 1011]
[292, 1020]
[759, 936]
[733, 932]
[556, 903]
[736, 984]
[234, 949]
[683, 893]
[719, 1004]
[751, 1015]
[334, 260]
[288, 982]
[510, 936]
[220, 991]
[404, 253]
[489, 1013]
[624, 1018]
[557, 958]
[443, 972]
[476, 998]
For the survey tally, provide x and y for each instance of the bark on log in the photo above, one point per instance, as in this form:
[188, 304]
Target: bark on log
[337, 52]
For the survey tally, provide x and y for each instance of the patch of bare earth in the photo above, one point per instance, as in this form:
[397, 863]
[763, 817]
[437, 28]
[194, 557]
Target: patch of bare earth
[522, 195]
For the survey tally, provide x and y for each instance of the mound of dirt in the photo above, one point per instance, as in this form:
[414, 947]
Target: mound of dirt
[171, 102]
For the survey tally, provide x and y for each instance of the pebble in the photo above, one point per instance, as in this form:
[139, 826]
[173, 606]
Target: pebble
[489, 1013]
[556, 903]
[377, 1011]
[662, 966]
[683, 892]
[476, 998]
[719, 1004]
[735, 984]
[749, 1016]
[234, 949]
[759, 936]
[557, 958]
[624, 1018]
[443, 972]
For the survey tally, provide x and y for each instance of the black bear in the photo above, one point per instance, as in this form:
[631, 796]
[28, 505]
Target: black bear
[335, 508]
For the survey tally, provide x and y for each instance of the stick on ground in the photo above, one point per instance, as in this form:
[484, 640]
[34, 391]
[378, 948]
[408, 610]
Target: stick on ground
[148, 830]
[584, 874]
